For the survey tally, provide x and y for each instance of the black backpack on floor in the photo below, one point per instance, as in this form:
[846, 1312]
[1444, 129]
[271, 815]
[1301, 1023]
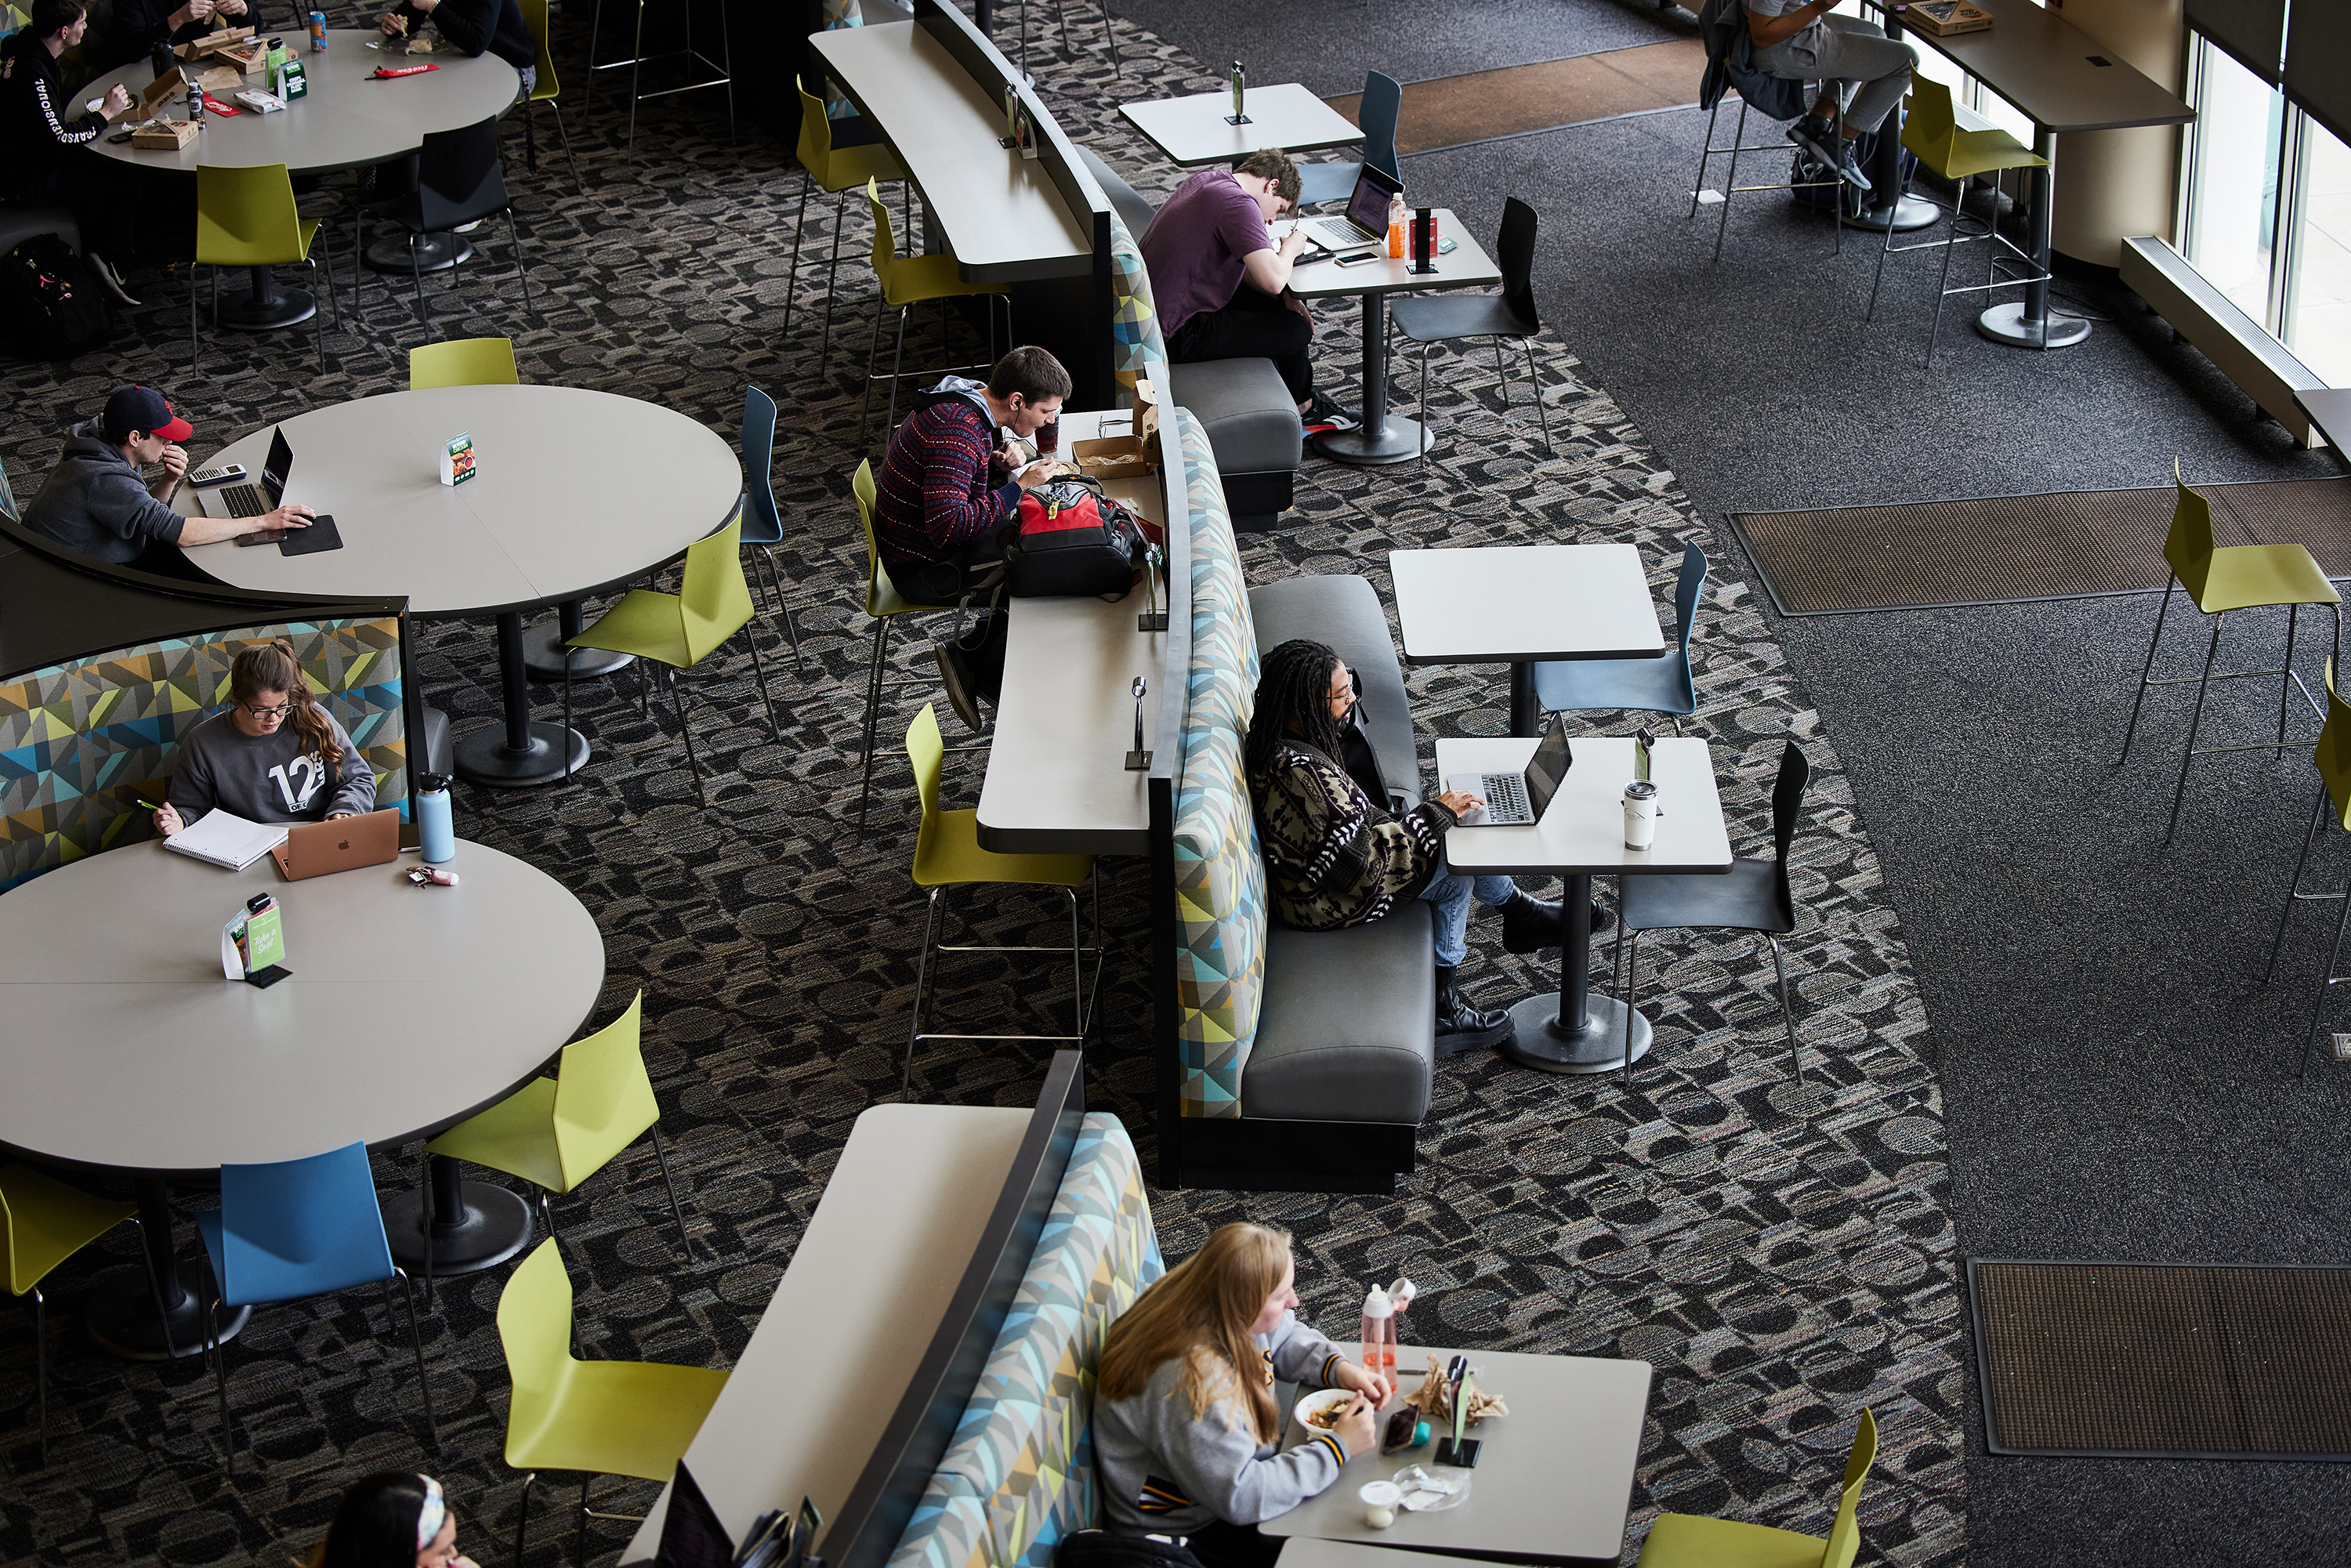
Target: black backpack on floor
[51, 300]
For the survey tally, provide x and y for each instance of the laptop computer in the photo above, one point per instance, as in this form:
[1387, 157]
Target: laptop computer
[321, 848]
[252, 500]
[1366, 216]
[1518, 799]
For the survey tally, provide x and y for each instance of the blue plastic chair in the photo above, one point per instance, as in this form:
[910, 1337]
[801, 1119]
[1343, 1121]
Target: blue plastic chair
[1383, 102]
[1645, 685]
[298, 1228]
[762, 524]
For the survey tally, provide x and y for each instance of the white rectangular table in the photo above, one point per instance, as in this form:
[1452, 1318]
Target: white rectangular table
[1057, 780]
[1524, 604]
[1197, 131]
[866, 1287]
[1581, 835]
[1554, 1477]
[1386, 437]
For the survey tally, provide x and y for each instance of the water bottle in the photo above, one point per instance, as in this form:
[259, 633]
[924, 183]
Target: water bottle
[436, 837]
[1379, 1333]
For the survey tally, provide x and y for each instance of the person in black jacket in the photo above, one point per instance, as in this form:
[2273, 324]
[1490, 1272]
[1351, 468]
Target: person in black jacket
[42, 134]
[474, 28]
[140, 26]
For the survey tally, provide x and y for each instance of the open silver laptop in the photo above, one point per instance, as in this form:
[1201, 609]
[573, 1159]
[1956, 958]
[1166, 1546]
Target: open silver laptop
[1518, 799]
[1366, 218]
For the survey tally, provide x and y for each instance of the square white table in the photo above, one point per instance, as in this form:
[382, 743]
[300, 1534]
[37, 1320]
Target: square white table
[1581, 835]
[1386, 437]
[1197, 131]
[1524, 604]
[1553, 1480]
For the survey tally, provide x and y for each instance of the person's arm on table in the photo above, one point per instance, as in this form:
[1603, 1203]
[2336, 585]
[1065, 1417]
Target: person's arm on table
[1215, 1459]
[212, 530]
[1303, 1354]
[192, 793]
[354, 781]
[1269, 270]
[467, 25]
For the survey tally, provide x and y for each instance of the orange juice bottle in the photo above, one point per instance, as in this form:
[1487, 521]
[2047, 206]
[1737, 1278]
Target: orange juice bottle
[1397, 225]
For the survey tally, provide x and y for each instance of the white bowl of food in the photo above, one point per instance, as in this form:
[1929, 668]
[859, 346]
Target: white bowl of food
[1319, 1411]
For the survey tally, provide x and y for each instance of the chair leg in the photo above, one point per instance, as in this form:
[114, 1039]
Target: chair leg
[1076, 974]
[1423, 411]
[1705, 151]
[872, 713]
[636, 73]
[1632, 1006]
[513, 231]
[2285, 684]
[2293, 886]
[155, 1293]
[579, 185]
[1869, 311]
[194, 348]
[792, 272]
[2147, 670]
[522, 1515]
[424, 1204]
[566, 715]
[41, 1367]
[775, 589]
[1935, 327]
[220, 1383]
[872, 354]
[2195, 723]
[1787, 1014]
[760, 670]
[1730, 183]
[417, 277]
[922, 980]
[2325, 979]
[677, 702]
[580, 1542]
[677, 1211]
[416, 1344]
[832, 282]
[898, 365]
[1534, 384]
[1110, 31]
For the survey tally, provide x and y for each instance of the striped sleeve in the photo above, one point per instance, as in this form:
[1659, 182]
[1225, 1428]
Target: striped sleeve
[84, 128]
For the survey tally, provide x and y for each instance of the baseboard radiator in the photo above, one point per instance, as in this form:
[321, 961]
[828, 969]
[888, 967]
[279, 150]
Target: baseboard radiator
[2245, 353]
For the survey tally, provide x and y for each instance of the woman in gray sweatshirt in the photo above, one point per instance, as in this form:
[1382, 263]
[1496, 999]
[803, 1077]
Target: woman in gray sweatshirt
[1185, 1425]
[276, 756]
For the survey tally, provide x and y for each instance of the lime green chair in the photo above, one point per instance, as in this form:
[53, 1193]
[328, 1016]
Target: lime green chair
[544, 89]
[599, 1418]
[838, 170]
[44, 1222]
[680, 630]
[1686, 1540]
[884, 603]
[554, 1132]
[245, 217]
[2332, 756]
[1931, 131]
[947, 853]
[2218, 580]
[462, 362]
[908, 281]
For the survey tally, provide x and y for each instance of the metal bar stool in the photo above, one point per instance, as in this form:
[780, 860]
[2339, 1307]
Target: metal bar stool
[1738, 144]
[638, 59]
[2333, 757]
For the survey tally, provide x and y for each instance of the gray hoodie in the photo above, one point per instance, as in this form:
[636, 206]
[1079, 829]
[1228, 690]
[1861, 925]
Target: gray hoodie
[1166, 1471]
[265, 777]
[95, 502]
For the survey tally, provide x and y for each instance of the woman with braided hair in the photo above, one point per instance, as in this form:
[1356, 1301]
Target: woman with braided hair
[1337, 858]
[276, 756]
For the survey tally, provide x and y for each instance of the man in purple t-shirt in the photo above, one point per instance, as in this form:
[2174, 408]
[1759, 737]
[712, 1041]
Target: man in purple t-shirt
[1220, 284]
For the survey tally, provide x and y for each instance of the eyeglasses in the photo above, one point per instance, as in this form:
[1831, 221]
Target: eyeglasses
[280, 711]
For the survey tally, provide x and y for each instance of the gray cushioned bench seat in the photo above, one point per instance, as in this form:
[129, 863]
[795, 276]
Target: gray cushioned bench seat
[1346, 612]
[18, 225]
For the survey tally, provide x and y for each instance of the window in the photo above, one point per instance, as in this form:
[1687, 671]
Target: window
[2232, 216]
[2318, 318]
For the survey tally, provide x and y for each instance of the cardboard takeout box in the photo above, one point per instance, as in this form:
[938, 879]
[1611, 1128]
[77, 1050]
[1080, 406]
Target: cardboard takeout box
[164, 135]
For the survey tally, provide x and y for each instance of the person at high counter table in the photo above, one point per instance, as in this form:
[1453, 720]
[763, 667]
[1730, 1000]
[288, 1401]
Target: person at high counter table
[97, 501]
[275, 755]
[1220, 284]
[948, 486]
[1850, 59]
[1184, 1422]
[1336, 857]
[43, 132]
[473, 27]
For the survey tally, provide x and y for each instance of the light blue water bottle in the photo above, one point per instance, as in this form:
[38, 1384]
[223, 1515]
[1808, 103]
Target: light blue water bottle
[436, 837]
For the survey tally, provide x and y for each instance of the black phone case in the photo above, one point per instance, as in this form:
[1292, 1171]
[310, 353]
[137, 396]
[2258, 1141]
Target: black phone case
[322, 535]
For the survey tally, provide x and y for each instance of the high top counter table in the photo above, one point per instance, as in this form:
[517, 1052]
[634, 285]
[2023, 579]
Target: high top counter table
[576, 492]
[347, 120]
[406, 1010]
[1197, 131]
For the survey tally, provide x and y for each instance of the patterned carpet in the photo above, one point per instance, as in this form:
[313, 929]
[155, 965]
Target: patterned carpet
[1782, 1253]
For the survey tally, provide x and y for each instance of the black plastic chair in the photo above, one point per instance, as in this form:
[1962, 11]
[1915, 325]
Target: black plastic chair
[455, 180]
[1753, 897]
[1441, 317]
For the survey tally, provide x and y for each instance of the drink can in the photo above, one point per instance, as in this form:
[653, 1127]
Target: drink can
[1049, 436]
[1640, 814]
[317, 32]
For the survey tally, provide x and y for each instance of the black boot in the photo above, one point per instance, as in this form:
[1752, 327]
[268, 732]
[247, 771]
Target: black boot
[1532, 925]
[1462, 1027]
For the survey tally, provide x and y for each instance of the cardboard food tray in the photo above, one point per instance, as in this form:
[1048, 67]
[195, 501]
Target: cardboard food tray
[222, 79]
[1113, 457]
[213, 42]
[164, 135]
[164, 90]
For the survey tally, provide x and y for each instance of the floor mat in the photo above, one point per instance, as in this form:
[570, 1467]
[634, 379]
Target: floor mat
[2006, 550]
[1486, 106]
[2155, 1361]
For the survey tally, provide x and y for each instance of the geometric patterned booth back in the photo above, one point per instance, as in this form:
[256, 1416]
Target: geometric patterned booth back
[80, 740]
[1019, 1474]
[1137, 347]
[1221, 900]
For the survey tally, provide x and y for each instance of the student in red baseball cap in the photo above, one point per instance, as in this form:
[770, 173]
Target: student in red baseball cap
[97, 501]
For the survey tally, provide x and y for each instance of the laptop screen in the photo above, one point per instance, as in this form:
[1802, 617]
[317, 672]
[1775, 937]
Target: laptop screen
[1368, 208]
[1548, 770]
[280, 464]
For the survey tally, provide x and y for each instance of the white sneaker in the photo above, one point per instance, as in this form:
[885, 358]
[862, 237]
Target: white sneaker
[110, 278]
[468, 228]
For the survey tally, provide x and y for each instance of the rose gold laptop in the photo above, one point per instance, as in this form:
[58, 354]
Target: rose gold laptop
[321, 848]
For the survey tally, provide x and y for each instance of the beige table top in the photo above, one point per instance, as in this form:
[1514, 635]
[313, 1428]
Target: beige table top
[408, 1007]
[1192, 130]
[1468, 267]
[1554, 1478]
[1056, 781]
[2059, 76]
[1583, 831]
[866, 1290]
[347, 119]
[575, 490]
[1519, 603]
[1000, 212]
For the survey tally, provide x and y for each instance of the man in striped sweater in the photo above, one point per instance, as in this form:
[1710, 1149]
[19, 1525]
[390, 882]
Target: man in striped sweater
[948, 487]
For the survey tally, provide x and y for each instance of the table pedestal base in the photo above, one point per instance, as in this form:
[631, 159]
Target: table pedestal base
[1903, 216]
[485, 757]
[434, 252]
[1396, 440]
[121, 1314]
[2008, 324]
[266, 307]
[490, 1226]
[1541, 1043]
[543, 650]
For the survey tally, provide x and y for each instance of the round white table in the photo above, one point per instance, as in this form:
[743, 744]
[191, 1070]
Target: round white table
[575, 492]
[407, 1010]
[347, 120]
